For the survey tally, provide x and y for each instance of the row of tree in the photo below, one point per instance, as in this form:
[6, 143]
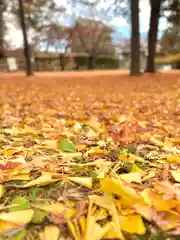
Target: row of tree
[158, 8]
[39, 21]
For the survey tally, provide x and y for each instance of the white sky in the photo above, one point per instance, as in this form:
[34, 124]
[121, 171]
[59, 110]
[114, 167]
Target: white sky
[15, 36]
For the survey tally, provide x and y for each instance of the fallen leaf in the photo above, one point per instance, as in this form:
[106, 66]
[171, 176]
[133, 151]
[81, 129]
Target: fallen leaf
[52, 144]
[50, 232]
[176, 175]
[21, 235]
[19, 204]
[56, 208]
[84, 181]
[156, 142]
[130, 158]
[102, 201]
[131, 177]
[156, 200]
[95, 231]
[112, 232]
[135, 168]
[74, 229]
[172, 158]
[115, 186]
[66, 145]
[44, 179]
[145, 211]
[2, 190]
[7, 226]
[94, 151]
[98, 231]
[39, 216]
[18, 218]
[132, 224]
[25, 177]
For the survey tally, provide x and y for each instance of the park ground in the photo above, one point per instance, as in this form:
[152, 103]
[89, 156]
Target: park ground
[86, 153]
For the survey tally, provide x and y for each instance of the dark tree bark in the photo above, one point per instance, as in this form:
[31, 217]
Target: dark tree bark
[91, 62]
[135, 39]
[1, 29]
[152, 35]
[27, 54]
[61, 59]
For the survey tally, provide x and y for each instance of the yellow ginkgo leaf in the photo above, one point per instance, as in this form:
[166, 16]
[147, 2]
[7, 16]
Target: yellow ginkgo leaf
[28, 129]
[156, 142]
[135, 168]
[24, 177]
[127, 211]
[101, 143]
[91, 133]
[154, 199]
[1, 190]
[50, 232]
[84, 181]
[116, 222]
[71, 155]
[44, 179]
[6, 226]
[175, 140]
[132, 224]
[130, 158]
[111, 232]
[77, 127]
[116, 186]
[83, 225]
[109, 205]
[131, 177]
[13, 131]
[103, 167]
[10, 152]
[176, 175]
[102, 201]
[56, 208]
[122, 118]
[144, 210]
[19, 218]
[51, 144]
[150, 175]
[94, 151]
[94, 230]
[19, 159]
[71, 121]
[80, 147]
[94, 124]
[74, 228]
[172, 158]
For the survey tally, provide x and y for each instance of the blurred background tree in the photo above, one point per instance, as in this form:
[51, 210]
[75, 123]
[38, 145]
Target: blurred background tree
[90, 28]
[135, 38]
[2, 27]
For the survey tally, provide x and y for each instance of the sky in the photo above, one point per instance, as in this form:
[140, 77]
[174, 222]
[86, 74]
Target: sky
[120, 24]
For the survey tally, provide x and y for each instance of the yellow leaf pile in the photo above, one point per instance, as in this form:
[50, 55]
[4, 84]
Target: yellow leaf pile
[90, 158]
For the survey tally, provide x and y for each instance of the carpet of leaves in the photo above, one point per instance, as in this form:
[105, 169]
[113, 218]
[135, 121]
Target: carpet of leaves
[90, 158]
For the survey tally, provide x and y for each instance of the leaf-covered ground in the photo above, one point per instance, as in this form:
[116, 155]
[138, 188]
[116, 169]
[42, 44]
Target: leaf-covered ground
[90, 157]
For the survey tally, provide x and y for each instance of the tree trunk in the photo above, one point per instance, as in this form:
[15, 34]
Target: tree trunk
[135, 39]
[152, 35]
[27, 54]
[61, 60]
[1, 29]
[91, 62]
